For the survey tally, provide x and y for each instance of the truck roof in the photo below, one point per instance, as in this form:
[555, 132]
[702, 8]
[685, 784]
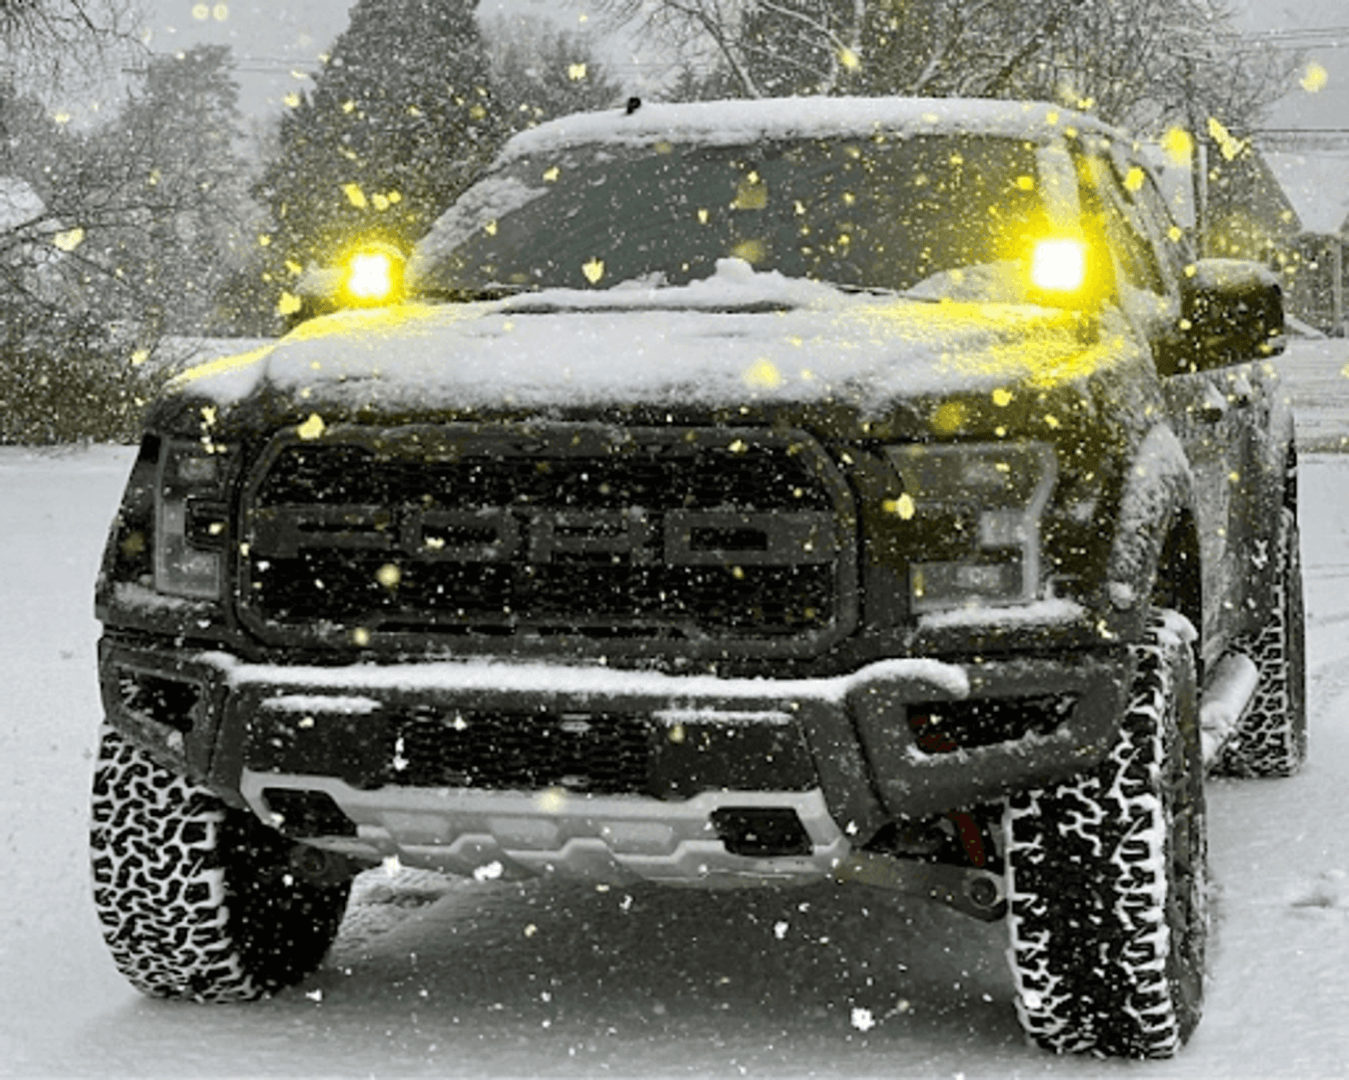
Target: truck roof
[738, 122]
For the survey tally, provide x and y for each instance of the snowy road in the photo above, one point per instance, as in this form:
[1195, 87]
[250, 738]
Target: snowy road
[468, 979]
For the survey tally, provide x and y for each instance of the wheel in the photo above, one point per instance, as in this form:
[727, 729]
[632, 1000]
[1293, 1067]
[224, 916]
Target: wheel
[1271, 739]
[1106, 879]
[196, 899]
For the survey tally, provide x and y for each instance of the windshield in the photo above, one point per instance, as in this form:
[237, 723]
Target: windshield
[882, 212]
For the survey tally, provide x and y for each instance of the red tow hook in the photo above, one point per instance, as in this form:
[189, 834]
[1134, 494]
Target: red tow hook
[971, 839]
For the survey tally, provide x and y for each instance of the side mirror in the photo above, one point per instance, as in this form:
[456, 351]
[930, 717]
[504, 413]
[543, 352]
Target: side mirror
[1231, 312]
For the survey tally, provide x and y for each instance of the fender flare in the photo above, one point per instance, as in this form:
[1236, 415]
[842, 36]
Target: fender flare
[1281, 443]
[1156, 524]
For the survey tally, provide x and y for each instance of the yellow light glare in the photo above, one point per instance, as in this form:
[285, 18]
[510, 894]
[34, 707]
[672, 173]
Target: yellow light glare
[370, 275]
[69, 240]
[1179, 145]
[1059, 265]
[1314, 79]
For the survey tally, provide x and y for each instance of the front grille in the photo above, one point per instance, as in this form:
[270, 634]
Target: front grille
[629, 538]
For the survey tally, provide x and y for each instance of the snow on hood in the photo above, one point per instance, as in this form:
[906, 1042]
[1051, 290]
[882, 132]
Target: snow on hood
[737, 337]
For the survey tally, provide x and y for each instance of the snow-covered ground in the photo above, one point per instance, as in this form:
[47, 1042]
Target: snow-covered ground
[439, 978]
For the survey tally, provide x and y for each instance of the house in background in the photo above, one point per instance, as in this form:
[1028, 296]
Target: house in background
[1317, 184]
[1285, 210]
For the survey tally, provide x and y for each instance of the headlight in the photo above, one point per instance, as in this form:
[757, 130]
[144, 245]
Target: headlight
[977, 507]
[190, 520]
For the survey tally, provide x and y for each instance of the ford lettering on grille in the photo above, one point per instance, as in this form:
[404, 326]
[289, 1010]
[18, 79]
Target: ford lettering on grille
[686, 541]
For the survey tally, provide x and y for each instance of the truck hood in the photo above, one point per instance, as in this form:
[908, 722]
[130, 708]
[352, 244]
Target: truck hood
[739, 338]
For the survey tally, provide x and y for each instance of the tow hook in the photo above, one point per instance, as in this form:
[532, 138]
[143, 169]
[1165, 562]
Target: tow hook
[980, 893]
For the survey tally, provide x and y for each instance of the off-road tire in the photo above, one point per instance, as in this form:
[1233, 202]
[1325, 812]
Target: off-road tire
[1106, 879]
[1271, 739]
[196, 899]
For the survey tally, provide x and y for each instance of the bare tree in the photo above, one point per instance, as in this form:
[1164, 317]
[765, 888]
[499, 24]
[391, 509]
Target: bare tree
[1141, 62]
[48, 42]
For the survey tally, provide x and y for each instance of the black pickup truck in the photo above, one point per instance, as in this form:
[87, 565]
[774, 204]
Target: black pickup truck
[744, 493]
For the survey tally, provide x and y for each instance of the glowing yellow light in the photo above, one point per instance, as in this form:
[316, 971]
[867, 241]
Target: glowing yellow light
[593, 270]
[354, 195]
[292, 100]
[763, 375]
[389, 575]
[70, 239]
[751, 194]
[289, 304]
[550, 175]
[1025, 183]
[849, 60]
[903, 507]
[576, 72]
[1314, 78]
[949, 418]
[312, 428]
[1227, 142]
[201, 12]
[221, 12]
[1178, 145]
[370, 275]
[1134, 181]
[1059, 265]
[752, 251]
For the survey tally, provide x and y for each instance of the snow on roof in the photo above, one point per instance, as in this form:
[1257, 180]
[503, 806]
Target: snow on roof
[19, 203]
[733, 123]
[1317, 184]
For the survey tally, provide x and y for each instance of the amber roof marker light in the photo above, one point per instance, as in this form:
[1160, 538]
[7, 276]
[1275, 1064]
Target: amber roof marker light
[372, 276]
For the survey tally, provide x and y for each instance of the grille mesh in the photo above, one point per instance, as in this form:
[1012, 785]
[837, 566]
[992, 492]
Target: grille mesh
[603, 755]
[648, 535]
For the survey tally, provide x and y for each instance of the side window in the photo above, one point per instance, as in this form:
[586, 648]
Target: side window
[1168, 238]
[1129, 239]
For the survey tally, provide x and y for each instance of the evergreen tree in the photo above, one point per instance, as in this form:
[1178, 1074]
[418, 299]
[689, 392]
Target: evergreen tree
[540, 72]
[400, 120]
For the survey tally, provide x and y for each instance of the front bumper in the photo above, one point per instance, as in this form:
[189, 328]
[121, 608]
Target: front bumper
[740, 781]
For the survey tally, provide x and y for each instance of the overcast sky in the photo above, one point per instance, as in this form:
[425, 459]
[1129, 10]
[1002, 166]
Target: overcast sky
[273, 42]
